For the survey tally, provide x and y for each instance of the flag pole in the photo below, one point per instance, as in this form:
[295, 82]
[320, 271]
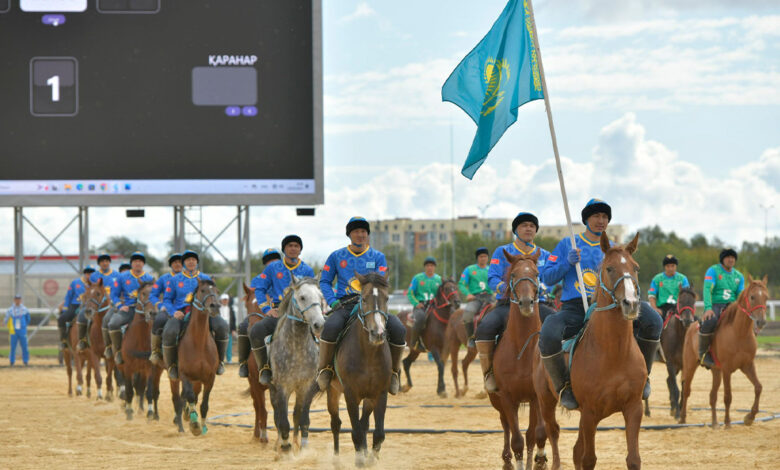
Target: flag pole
[555, 150]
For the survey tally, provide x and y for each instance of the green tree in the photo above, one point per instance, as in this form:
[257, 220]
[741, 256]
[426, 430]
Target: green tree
[124, 246]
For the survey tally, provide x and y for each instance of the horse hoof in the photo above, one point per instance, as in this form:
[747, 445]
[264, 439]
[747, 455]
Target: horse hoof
[78, 391]
[149, 415]
[89, 393]
[195, 429]
[70, 393]
[749, 418]
[156, 417]
[481, 395]
[442, 394]
[405, 388]
[129, 414]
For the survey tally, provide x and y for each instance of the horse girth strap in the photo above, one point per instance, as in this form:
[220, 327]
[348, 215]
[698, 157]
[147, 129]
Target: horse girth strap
[527, 342]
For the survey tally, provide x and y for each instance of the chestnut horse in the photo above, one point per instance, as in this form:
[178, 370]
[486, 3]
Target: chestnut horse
[454, 336]
[733, 347]
[73, 358]
[256, 389]
[672, 338]
[438, 312]
[198, 360]
[513, 363]
[608, 371]
[96, 304]
[136, 349]
[363, 368]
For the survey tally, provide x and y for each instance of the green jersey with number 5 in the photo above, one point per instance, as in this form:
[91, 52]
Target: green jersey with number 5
[721, 286]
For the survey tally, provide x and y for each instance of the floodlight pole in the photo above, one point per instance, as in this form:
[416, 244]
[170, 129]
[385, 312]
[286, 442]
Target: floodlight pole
[18, 251]
[83, 237]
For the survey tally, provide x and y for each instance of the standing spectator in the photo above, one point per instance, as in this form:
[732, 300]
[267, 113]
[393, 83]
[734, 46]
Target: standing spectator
[17, 317]
[227, 314]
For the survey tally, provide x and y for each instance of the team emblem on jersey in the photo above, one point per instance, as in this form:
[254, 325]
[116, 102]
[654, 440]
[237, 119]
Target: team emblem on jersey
[343, 263]
[354, 285]
[590, 278]
[181, 284]
[279, 275]
[188, 299]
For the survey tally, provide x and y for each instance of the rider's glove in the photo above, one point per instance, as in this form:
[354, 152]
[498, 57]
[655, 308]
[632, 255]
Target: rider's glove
[573, 257]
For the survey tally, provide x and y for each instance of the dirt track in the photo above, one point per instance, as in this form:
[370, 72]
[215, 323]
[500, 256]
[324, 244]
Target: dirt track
[42, 427]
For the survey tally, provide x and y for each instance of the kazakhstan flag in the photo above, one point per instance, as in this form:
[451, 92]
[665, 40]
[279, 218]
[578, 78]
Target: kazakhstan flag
[498, 76]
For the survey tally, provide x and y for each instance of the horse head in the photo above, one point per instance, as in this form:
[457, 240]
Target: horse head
[374, 294]
[618, 276]
[143, 305]
[523, 281]
[306, 302]
[95, 299]
[447, 295]
[250, 301]
[686, 305]
[205, 297]
[755, 297]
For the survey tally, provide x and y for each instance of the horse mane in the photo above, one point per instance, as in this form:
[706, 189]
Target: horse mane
[690, 291]
[376, 279]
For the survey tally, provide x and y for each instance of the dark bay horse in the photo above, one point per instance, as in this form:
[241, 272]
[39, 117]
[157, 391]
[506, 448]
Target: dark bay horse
[136, 349]
[439, 311]
[96, 304]
[672, 338]
[198, 360]
[454, 337]
[608, 371]
[733, 347]
[363, 368]
[256, 389]
[513, 364]
[293, 354]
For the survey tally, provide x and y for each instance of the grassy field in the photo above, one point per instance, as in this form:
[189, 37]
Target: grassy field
[34, 352]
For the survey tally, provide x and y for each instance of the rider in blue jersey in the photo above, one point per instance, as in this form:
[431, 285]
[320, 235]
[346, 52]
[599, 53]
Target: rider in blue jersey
[596, 215]
[71, 305]
[161, 286]
[129, 283]
[341, 266]
[111, 284]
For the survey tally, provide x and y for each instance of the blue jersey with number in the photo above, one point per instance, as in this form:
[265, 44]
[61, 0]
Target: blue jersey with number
[558, 268]
[274, 279]
[182, 287]
[499, 265]
[342, 265]
[110, 282]
[129, 284]
[75, 290]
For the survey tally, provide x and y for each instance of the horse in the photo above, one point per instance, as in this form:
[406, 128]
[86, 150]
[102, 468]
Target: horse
[136, 369]
[438, 312]
[96, 304]
[454, 337]
[733, 347]
[672, 338]
[608, 372]
[256, 389]
[293, 354]
[198, 360]
[73, 358]
[363, 367]
[513, 364]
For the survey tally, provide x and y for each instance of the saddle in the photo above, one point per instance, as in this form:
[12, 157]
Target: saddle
[570, 344]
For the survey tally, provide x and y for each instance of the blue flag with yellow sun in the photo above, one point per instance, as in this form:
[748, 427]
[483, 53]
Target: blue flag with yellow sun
[498, 76]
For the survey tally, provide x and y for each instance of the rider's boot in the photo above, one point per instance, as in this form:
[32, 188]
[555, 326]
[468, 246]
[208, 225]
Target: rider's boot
[261, 358]
[648, 348]
[396, 352]
[170, 353]
[705, 357]
[415, 340]
[469, 334]
[63, 337]
[82, 336]
[116, 341]
[556, 369]
[325, 366]
[156, 357]
[222, 345]
[243, 355]
[485, 350]
[107, 352]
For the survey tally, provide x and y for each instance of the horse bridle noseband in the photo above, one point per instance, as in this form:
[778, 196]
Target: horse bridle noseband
[611, 292]
[142, 310]
[445, 297]
[749, 310]
[101, 309]
[362, 315]
[514, 283]
[201, 304]
[301, 319]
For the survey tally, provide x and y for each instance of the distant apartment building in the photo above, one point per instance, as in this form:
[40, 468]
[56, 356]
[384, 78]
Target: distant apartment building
[425, 235]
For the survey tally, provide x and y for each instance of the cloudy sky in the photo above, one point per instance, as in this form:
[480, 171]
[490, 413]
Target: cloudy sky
[667, 109]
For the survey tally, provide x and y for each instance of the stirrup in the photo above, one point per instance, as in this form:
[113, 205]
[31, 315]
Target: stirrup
[395, 385]
[82, 345]
[323, 381]
[567, 386]
[261, 376]
[243, 369]
[173, 372]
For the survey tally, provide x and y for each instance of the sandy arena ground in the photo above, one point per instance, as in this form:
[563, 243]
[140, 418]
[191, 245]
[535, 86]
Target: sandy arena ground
[42, 427]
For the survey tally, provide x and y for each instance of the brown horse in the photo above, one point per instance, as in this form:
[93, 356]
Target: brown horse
[136, 369]
[198, 360]
[439, 311]
[608, 371]
[513, 363]
[256, 389]
[454, 337]
[672, 338]
[96, 304]
[733, 347]
[73, 358]
[363, 367]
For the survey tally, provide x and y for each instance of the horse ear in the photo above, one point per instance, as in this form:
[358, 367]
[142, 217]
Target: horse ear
[604, 241]
[749, 278]
[246, 288]
[509, 256]
[318, 277]
[765, 279]
[536, 255]
[631, 247]
[387, 274]
[361, 279]
[293, 279]
[100, 282]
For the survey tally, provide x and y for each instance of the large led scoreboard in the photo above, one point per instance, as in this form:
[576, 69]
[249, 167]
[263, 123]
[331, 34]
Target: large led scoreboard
[160, 102]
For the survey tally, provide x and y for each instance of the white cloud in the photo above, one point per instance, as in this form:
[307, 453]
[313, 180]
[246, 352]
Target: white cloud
[363, 10]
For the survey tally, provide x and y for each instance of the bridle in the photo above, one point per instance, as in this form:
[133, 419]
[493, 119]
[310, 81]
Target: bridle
[100, 302]
[201, 304]
[748, 310]
[611, 292]
[445, 297]
[362, 314]
[142, 310]
[301, 311]
[513, 297]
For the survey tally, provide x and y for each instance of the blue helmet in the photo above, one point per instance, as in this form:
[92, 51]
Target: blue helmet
[357, 222]
[271, 254]
[89, 269]
[103, 256]
[137, 255]
[429, 260]
[594, 206]
[189, 254]
[524, 217]
[174, 257]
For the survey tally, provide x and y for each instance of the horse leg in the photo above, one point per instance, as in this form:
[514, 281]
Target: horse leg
[150, 397]
[516, 442]
[727, 398]
[441, 389]
[379, 425]
[109, 379]
[353, 408]
[714, 395]
[297, 410]
[129, 399]
[177, 404]
[454, 369]
[750, 372]
[189, 395]
[204, 403]
[539, 437]
[156, 391]
[305, 419]
[632, 414]
[88, 363]
[335, 421]
[98, 375]
[587, 439]
[69, 370]
[368, 408]
[407, 362]
[547, 403]
[79, 377]
[674, 392]
[689, 369]
[139, 382]
[279, 400]
[498, 403]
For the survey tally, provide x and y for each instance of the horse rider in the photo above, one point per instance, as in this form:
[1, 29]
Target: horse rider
[341, 266]
[722, 286]
[274, 280]
[422, 290]
[665, 287]
[72, 303]
[475, 289]
[179, 301]
[129, 282]
[124, 267]
[111, 285]
[524, 227]
[244, 346]
[161, 286]
[566, 323]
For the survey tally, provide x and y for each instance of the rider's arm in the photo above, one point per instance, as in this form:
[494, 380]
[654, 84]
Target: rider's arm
[410, 293]
[685, 282]
[652, 292]
[69, 295]
[741, 285]
[463, 285]
[496, 271]
[557, 265]
[327, 275]
[709, 285]
[114, 291]
[157, 290]
[262, 284]
[169, 296]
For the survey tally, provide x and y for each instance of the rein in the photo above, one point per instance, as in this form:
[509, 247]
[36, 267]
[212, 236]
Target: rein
[446, 299]
[101, 309]
[142, 310]
[749, 310]
[678, 314]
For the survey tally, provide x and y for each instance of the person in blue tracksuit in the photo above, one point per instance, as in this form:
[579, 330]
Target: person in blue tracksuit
[524, 227]
[129, 283]
[560, 266]
[111, 284]
[17, 317]
[179, 301]
[158, 294]
[274, 279]
[341, 267]
[71, 304]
